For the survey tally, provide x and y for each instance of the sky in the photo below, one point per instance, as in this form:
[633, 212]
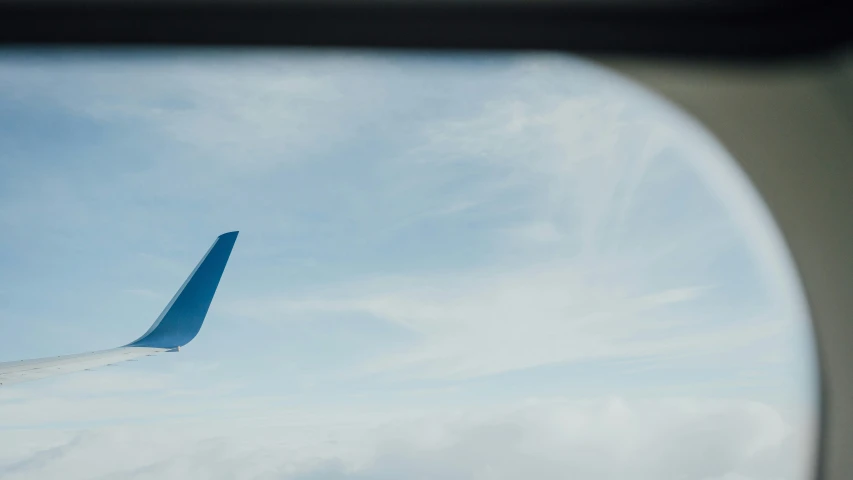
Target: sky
[466, 266]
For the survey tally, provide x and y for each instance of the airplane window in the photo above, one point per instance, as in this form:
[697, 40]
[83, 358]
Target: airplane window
[449, 266]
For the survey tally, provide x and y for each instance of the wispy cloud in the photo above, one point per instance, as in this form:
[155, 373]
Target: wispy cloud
[479, 323]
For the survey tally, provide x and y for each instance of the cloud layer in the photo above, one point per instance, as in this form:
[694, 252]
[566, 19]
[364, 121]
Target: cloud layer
[606, 438]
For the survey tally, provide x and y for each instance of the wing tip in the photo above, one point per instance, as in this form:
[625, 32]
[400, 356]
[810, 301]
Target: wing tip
[183, 317]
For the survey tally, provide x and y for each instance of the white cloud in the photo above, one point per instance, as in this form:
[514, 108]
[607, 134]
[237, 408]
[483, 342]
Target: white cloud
[485, 322]
[611, 438]
[121, 393]
[580, 159]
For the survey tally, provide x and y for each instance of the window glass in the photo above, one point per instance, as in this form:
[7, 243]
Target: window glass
[449, 267]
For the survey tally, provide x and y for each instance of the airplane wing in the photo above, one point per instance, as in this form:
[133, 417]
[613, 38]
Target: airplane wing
[179, 323]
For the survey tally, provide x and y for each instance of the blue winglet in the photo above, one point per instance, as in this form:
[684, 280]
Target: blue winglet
[182, 318]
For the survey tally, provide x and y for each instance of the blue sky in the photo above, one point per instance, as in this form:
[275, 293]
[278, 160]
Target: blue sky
[439, 256]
